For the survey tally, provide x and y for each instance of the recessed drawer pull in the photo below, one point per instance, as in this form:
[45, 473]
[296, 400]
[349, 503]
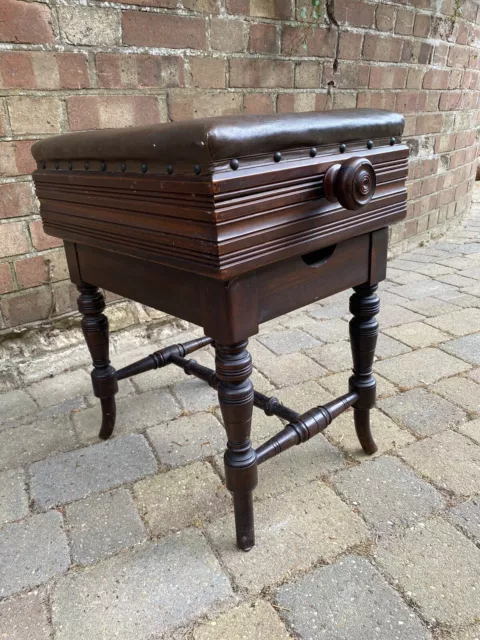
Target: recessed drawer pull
[319, 257]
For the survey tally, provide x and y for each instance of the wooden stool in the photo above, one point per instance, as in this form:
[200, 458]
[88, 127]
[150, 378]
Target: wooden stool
[227, 223]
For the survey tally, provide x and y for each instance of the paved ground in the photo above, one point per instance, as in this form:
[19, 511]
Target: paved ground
[133, 538]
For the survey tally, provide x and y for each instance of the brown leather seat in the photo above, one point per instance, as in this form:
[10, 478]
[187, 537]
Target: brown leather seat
[210, 141]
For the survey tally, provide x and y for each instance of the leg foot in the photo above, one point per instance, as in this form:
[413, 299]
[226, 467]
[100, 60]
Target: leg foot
[91, 305]
[364, 305]
[235, 395]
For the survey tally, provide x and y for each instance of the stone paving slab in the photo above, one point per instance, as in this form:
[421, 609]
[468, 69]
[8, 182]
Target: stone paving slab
[24, 618]
[31, 552]
[423, 412]
[388, 494]
[71, 476]
[417, 335]
[467, 517]
[334, 357]
[285, 371]
[15, 404]
[181, 498]
[447, 459]
[255, 621]
[287, 341]
[387, 347]
[430, 306]
[194, 395]
[471, 429]
[424, 366]
[337, 385]
[102, 525]
[13, 496]
[329, 330]
[304, 396]
[458, 323]
[61, 388]
[466, 348]
[151, 591]
[294, 531]
[423, 289]
[28, 443]
[470, 633]
[462, 391]
[439, 570]
[348, 600]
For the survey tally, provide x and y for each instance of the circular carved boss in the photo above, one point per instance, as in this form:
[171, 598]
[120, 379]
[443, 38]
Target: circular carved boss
[351, 183]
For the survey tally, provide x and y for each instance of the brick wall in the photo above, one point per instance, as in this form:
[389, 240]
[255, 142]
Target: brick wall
[89, 64]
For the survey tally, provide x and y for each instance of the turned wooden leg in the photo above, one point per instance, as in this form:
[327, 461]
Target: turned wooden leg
[364, 305]
[91, 305]
[235, 395]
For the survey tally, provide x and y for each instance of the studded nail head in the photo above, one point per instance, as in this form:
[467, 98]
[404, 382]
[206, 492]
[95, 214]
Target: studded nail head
[44, 165]
[343, 148]
[70, 166]
[234, 163]
[277, 156]
[144, 168]
[103, 166]
[392, 141]
[170, 168]
[197, 169]
[313, 152]
[369, 144]
[57, 166]
[86, 166]
[123, 167]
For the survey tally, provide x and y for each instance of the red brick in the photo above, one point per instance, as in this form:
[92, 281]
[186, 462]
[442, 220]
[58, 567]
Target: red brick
[241, 7]
[348, 75]
[15, 199]
[208, 73]
[392, 77]
[429, 124]
[129, 71]
[432, 100]
[13, 240]
[355, 14]
[440, 54]
[344, 100]
[162, 4]
[40, 240]
[158, 30]
[43, 70]
[258, 103]
[31, 272]
[296, 102]
[33, 114]
[450, 100]
[8, 166]
[3, 119]
[27, 307]
[263, 38]
[415, 78]
[385, 17]
[350, 46]
[103, 112]
[382, 49]
[227, 35]
[379, 100]
[436, 79]
[260, 73]
[416, 52]
[308, 75]
[23, 157]
[458, 57]
[6, 280]
[202, 6]
[404, 22]
[183, 105]
[29, 22]
[275, 9]
[316, 41]
[455, 79]
[410, 101]
[421, 27]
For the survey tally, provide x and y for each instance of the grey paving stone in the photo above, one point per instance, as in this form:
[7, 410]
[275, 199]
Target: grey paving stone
[329, 310]
[188, 438]
[462, 391]
[470, 633]
[291, 369]
[431, 270]
[28, 443]
[348, 600]
[459, 298]
[457, 280]
[337, 385]
[134, 413]
[474, 374]
[256, 621]
[424, 289]
[404, 277]
[424, 366]
[466, 348]
[15, 404]
[150, 591]
[448, 460]
[422, 412]
[13, 496]
[417, 334]
[287, 341]
[61, 388]
[459, 323]
[292, 532]
[387, 347]
[31, 552]
[304, 396]
[333, 357]
[24, 617]
[195, 395]
[430, 306]
[182, 497]
[102, 525]
[388, 494]
[467, 517]
[438, 568]
[471, 429]
[387, 435]
[71, 476]
[393, 315]
[329, 330]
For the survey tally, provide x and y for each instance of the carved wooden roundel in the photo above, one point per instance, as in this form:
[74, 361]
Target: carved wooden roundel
[352, 183]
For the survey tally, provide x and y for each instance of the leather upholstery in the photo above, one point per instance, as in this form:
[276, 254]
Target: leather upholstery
[212, 140]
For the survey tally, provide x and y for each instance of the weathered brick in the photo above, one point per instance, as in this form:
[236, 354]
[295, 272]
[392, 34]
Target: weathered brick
[208, 73]
[6, 279]
[35, 114]
[24, 161]
[99, 112]
[186, 104]
[27, 307]
[350, 46]
[92, 26]
[391, 77]
[422, 24]
[257, 103]
[43, 70]
[28, 22]
[356, 14]
[227, 35]
[263, 38]
[13, 239]
[15, 199]
[260, 73]
[156, 30]
[308, 75]
[40, 240]
[385, 17]
[315, 42]
[120, 71]
[31, 272]
[276, 9]
[382, 49]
